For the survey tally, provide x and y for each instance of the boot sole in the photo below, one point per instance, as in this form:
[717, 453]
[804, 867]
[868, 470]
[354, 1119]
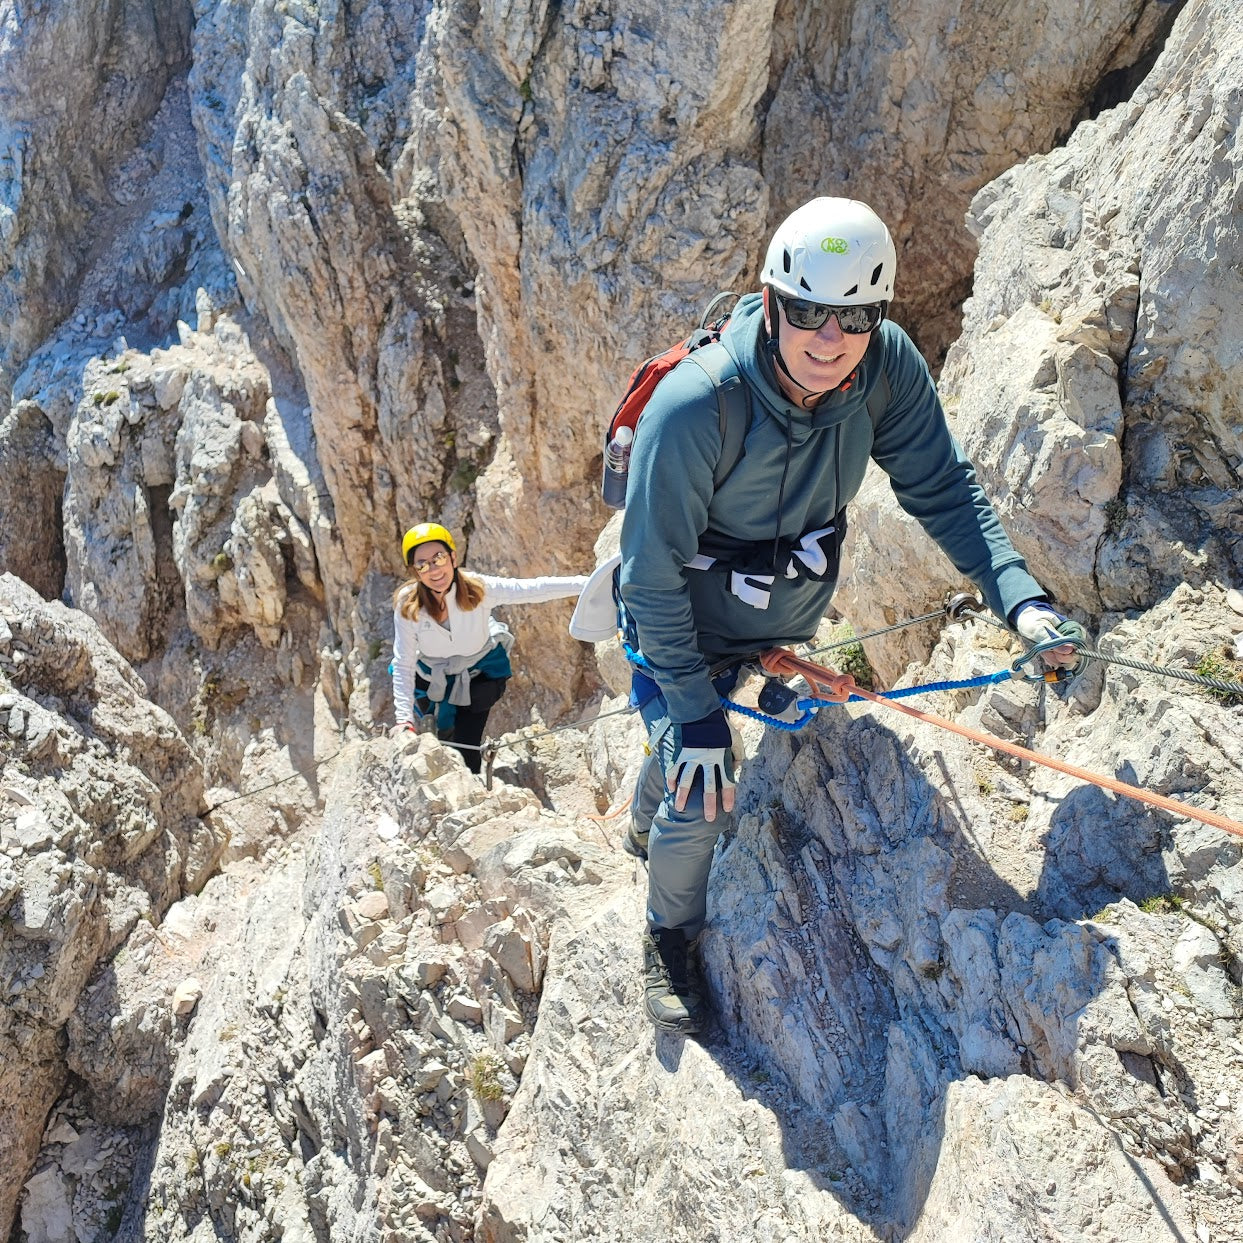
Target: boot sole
[680, 1027]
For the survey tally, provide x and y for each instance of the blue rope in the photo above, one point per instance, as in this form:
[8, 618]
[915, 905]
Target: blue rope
[776, 722]
[985, 679]
[809, 707]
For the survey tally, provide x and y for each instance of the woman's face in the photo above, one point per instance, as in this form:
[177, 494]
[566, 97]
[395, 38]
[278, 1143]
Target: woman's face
[423, 564]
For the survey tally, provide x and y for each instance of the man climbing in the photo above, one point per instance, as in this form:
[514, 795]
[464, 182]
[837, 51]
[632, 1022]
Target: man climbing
[711, 574]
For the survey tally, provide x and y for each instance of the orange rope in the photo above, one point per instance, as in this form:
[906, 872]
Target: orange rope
[609, 815]
[838, 687]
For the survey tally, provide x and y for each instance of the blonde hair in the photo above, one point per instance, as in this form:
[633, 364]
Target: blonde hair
[412, 596]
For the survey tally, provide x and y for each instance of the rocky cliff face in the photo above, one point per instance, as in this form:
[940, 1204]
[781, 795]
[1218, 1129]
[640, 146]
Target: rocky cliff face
[281, 278]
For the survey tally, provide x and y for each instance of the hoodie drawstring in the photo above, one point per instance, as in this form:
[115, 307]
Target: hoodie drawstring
[781, 492]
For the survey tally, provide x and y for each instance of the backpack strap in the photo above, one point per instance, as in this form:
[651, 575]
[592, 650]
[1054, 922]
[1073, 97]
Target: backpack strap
[733, 404]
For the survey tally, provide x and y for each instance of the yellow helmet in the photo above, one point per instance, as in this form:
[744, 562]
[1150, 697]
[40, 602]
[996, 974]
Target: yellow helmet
[425, 533]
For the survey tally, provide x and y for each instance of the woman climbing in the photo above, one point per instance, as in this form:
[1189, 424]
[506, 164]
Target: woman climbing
[450, 655]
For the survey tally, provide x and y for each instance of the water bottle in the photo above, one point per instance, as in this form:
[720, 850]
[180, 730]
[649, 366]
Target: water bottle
[616, 468]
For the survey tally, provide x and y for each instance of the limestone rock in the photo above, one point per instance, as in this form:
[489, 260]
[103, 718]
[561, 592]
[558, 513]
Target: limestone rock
[186, 996]
[316, 273]
[94, 833]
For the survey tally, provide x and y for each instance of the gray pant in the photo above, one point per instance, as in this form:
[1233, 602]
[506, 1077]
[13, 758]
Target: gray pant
[679, 850]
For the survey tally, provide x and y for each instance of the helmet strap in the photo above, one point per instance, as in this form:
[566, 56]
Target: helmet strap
[773, 346]
[772, 343]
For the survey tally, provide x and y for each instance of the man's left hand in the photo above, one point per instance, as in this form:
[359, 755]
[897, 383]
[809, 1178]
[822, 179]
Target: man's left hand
[707, 749]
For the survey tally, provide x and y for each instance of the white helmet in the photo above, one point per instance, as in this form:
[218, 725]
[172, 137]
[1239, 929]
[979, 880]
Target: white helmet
[836, 251]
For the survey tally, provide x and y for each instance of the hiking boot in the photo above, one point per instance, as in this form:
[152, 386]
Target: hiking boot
[670, 1000]
[635, 843]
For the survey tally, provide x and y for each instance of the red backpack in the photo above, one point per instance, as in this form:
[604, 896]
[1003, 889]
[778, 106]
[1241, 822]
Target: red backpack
[733, 401]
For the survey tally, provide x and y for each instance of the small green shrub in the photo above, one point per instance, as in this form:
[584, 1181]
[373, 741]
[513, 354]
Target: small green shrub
[852, 659]
[1161, 904]
[1215, 664]
[464, 476]
[484, 1078]
[1115, 515]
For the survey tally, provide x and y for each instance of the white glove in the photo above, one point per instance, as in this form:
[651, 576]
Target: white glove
[1038, 623]
[752, 589]
[710, 747]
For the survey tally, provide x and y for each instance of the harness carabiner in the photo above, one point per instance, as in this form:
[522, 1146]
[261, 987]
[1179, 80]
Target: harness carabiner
[1047, 675]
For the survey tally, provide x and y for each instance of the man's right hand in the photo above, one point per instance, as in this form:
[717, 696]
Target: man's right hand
[703, 747]
[401, 729]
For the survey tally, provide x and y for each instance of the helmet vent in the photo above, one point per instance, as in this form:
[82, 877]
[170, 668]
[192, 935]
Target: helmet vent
[876, 271]
[850, 293]
[802, 280]
[785, 255]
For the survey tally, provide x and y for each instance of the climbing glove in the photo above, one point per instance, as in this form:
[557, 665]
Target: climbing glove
[1038, 623]
[706, 746]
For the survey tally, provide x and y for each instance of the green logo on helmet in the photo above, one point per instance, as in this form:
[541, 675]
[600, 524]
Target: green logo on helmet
[834, 246]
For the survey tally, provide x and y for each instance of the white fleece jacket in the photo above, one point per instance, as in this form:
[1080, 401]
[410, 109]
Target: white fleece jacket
[466, 637]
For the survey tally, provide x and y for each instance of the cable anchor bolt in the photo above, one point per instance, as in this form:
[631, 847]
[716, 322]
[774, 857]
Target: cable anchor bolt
[961, 605]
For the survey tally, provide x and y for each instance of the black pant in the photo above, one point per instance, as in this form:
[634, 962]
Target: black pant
[469, 721]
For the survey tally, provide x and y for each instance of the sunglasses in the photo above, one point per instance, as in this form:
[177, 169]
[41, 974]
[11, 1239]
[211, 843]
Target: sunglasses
[435, 561]
[854, 320]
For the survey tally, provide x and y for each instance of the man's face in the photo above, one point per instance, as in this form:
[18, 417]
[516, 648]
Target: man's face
[819, 360]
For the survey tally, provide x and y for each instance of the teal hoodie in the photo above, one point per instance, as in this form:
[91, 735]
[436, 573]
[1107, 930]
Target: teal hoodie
[799, 469]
